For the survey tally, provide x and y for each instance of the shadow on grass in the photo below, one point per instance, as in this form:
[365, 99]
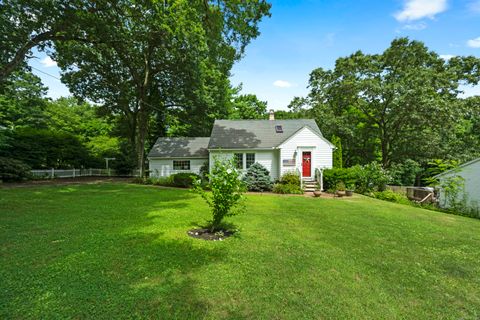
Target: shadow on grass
[102, 254]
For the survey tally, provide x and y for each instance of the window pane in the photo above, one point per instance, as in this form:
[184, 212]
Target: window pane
[238, 160]
[181, 164]
[250, 159]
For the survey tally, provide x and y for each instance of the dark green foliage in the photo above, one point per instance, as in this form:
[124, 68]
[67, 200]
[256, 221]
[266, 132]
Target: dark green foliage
[331, 177]
[168, 65]
[21, 101]
[288, 183]
[257, 178]
[13, 170]
[337, 153]
[405, 174]
[290, 178]
[125, 161]
[248, 106]
[400, 104]
[436, 167]
[287, 189]
[184, 179]
[41, 148]
[389, 195]
[204, 170]
[367, 178]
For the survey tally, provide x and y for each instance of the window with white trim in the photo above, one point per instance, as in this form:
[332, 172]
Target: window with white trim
[250, 159]
[181, 164]
[238, 160]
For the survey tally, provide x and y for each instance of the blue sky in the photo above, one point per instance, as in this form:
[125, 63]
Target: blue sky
[303, 35]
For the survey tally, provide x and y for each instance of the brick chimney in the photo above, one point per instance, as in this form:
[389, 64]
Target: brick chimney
[271, 115]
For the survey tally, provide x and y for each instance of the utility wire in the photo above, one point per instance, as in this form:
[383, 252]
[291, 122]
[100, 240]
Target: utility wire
[46, 73]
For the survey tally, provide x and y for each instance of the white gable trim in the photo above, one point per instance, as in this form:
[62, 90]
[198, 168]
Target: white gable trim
[312, 131]
[466, 164]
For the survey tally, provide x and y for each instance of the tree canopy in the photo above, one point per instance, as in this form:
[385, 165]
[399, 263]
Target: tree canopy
[161, 63]
[401, 104]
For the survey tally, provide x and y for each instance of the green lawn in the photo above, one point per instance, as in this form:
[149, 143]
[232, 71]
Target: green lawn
[121, 251]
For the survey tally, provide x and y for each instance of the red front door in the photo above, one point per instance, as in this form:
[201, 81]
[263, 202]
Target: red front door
[306, 164]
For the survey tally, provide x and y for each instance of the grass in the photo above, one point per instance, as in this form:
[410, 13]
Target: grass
[121, 251]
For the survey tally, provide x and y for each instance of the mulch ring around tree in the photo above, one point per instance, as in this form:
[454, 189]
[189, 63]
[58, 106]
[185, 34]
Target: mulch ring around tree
[206, 234]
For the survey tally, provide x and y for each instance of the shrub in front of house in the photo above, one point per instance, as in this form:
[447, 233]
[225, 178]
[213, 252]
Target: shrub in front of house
[227, 192]
[332, 177]
[365, 179]
[289, 183]
[257, 178]
[290, 178]
[184, 179]
[287, 189]
[12, 170]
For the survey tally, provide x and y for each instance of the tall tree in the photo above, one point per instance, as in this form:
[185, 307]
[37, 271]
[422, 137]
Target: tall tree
[27, 24]
[391, 106]
[168, 58]
[22, 101]
[337, 153]
[248, 106]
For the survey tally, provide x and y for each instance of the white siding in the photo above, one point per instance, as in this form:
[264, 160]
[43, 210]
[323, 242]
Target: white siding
[471, 174]
[164, 167]
[267, 158]
[305, 140]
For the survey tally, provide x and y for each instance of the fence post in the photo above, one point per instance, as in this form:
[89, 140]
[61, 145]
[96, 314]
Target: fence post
[90, 171]
[53, 173]
[73, 172]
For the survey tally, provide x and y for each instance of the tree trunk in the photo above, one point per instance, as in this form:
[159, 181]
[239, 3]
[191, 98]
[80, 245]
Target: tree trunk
[142, 133]
[385, 147]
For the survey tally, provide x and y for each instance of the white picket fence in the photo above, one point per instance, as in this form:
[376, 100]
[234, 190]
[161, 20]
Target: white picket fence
[74, 173]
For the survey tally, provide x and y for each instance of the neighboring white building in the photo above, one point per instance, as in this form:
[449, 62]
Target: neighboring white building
[470, 172]
[279, 145]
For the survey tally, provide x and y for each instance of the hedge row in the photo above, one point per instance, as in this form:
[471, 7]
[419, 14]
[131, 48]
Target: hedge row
[362, 179]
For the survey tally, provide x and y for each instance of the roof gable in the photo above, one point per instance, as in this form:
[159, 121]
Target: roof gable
[256, 134]
[182, 147]
[309, 129]
[466, 164]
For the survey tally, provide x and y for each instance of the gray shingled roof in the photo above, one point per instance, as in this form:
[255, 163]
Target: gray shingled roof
[183, 147]
[255, 134]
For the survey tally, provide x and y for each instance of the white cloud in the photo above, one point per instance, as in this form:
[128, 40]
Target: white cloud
[470, 91]
[415, 26]
[282, 84]
[474, 6]
[446, 57]
[419, 9]
[48, 62]
[474, 43]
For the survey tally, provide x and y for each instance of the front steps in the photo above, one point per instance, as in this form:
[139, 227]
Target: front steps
[309, 185]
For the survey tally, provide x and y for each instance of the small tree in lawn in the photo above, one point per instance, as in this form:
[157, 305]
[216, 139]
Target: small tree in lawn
[258, 178]
[226, 191]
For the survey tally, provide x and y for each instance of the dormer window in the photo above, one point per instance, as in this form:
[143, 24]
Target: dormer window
[278, 129]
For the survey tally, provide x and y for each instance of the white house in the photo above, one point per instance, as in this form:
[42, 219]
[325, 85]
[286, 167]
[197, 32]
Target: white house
[279, 145]
[470, 172]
